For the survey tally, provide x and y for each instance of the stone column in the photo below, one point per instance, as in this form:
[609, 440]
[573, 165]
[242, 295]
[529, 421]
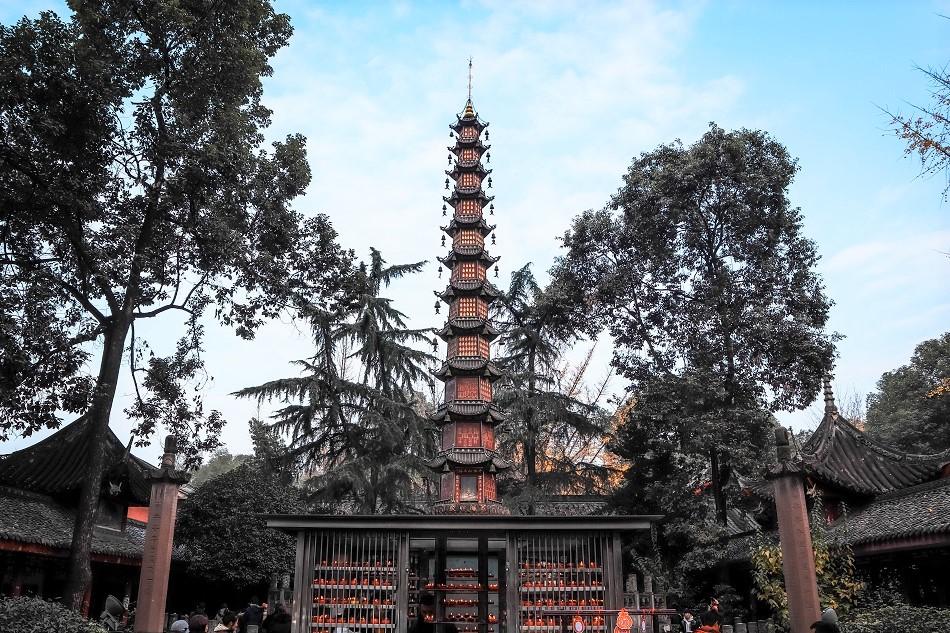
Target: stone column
[159, 536]
[798, 557]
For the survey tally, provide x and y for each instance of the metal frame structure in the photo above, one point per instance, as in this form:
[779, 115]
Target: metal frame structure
[522, 568]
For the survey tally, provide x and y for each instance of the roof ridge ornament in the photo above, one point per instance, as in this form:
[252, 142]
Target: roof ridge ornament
[830, 406]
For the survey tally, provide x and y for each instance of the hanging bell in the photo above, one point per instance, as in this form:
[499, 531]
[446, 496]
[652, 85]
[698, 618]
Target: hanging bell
[446, 183]
[451, 135]
[440, 277]
[491, 209]
[489, 182]
[435, 346]
[496, 271]
[445, 468]
[443, 209]
[437, 306]
[488, 157]
[443, 240]
[450, 160]
[486, 135]
[493, 239]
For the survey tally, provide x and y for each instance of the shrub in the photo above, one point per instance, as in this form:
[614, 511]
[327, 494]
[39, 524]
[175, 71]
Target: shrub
[35, 615]
[901, 617]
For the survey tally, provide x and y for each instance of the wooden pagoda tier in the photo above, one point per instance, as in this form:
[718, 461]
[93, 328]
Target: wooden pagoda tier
[467, 461]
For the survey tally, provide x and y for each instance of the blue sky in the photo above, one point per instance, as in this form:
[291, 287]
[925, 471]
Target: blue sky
[575, 90]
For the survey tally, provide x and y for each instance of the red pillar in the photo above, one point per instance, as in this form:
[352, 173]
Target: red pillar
[159, 537]
[798, 557]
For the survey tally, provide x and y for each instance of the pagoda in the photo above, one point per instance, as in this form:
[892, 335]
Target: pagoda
[467, 460]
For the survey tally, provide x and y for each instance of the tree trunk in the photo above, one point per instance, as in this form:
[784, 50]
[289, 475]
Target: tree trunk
[80, 572]
[531, 435]
[718, 495]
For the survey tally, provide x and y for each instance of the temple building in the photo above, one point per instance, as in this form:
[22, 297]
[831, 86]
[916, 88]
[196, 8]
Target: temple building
[891, 508]
[39, 491]
[467, 563]
[468, 462]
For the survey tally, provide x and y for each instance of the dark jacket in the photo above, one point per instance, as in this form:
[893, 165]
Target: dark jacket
[278, 623]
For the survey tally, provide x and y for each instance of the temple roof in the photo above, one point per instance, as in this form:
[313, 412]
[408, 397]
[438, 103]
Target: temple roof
[468, 366]
[918, 511]
[477, 253]
[467, 409]
[467, 325]
[36, 519]
[845, 457]
[459, 194]
[57, 464]
[468, 457]
[466, 167]
[464, 223]
[478, 287]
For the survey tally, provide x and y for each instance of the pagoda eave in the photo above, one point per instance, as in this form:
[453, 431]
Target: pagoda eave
[467, 325]
[467, 411]
[468, 366]
[457, 224]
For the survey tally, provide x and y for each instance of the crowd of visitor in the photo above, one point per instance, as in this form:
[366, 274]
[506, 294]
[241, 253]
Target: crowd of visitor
[254, 618]
[710, 620]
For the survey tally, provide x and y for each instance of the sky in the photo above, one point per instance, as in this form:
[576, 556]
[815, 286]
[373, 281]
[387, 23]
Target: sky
[574, 91]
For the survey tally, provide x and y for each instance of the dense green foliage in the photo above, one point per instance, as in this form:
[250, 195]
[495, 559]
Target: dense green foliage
[549, 429]
[838, 584]
[224, 536]
[355, 418]
[700, 272]
[901, 617]
[909, 410]
[34, 615]
[134, 183]
[220, 462]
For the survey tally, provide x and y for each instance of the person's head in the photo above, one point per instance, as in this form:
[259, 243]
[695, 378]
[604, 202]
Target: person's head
[829, 616]
[688, 614]
[254, 600]
[708, 618]
[426, 604]
[229, 620]
[198, 624]
[714, 605]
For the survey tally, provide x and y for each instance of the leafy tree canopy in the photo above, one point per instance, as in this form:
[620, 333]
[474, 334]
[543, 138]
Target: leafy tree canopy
[910, 409]
[552, 430]
[220, 462]
[134, 182]
[221, 529]
[354, 416]
[700, 272]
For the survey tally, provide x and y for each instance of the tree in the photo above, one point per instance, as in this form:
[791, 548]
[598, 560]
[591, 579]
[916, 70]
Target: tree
[838, 584]
[700, 272]
[223, 533]
[909, 410]
[220, 462]
[354, 417]
[928, 133]
[546, 416]
[133, 184]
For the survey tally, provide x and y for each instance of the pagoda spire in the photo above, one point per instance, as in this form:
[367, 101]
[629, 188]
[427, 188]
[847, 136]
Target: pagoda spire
[468, 462]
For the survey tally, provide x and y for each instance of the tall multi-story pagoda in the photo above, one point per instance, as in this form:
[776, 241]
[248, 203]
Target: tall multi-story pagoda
[467, 460]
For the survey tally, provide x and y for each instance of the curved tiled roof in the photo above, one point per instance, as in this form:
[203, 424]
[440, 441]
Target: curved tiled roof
[468, 409]
[468, 325]
[846, 457]
[38, 519]
[468, 365]
[916, 511]
[468, 457]
[57, 464]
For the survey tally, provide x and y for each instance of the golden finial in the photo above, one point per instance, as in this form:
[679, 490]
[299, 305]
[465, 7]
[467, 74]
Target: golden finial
[469, 110]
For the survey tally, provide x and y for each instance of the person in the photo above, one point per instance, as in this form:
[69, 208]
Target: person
[425, 621]
[279, 620]
[198, 623]
[227, 624]
[180, 625]
[714, 609]
[223, 611]
[688, 624]
[708, 622]
[252, 616]
[828, 622]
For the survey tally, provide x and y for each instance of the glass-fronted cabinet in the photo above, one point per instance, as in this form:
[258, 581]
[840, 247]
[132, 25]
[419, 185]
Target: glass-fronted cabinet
[457, 583]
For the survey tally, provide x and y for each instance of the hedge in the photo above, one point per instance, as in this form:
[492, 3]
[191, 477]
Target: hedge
[34, 615]
[891, 619]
